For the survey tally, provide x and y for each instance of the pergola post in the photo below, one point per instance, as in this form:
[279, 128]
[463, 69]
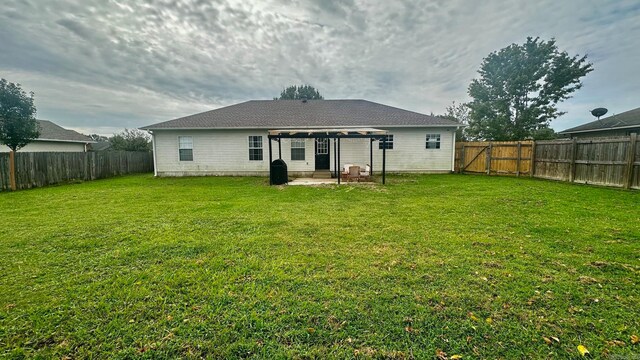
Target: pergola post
[371, 158]
[270, 161]
[384, 159]
[335, 158]
[338, 164]
[280, 148]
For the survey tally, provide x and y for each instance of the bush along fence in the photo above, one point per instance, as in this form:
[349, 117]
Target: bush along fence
[36, 169]
[600, 161]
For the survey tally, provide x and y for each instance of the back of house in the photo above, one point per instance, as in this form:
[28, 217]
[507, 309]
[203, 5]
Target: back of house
[233, 140]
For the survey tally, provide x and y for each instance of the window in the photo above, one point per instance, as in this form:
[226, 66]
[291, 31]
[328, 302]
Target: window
[389, 142]
[322, 146]
[255, 148]
[433, 141]
[297, 149]
[185, 148]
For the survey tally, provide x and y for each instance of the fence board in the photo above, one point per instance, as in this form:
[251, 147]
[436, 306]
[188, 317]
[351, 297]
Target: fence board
[611, 161]
[496, 157]
[36, 169]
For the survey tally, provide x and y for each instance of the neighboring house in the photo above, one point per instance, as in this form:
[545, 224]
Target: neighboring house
[617, 125]
[54, 138]
[233, 140]
[100, 146]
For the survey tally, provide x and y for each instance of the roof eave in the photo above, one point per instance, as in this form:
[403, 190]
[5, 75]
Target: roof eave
[70, 141]
[297, 127]
[569, 131]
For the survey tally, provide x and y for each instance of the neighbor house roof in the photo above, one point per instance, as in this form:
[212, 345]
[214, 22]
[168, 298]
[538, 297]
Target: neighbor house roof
[271, 114]
[627, 119]
[52, 132]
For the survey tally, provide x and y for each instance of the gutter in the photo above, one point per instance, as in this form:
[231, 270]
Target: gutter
[70, 141]
[298, 127]
[566, 132]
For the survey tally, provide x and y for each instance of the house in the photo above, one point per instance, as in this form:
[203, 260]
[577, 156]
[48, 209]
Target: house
[617, 125]
[236, 140]
[100, 146]
[54, 138]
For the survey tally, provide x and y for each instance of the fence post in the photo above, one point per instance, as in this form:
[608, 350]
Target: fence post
[518, 160]
[461, 166]
[489, 158]
[532, 166]
[631, 154]
[572, 165]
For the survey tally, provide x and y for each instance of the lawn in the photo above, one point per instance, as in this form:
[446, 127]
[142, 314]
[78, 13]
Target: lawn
[474, 266]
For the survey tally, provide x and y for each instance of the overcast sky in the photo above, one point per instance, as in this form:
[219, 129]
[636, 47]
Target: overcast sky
[103, 65]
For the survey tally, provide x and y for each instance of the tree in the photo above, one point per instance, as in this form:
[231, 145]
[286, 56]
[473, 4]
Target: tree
[18, 125]
[544, 134]
[98, 138]
[460, 114]
[519, 89]
[131, 140]
[299, 93]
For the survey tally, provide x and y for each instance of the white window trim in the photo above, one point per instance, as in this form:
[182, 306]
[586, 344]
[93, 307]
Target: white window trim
[392, 142]
[255, 148]
[303, 147]
[181, 148]
[439, 141]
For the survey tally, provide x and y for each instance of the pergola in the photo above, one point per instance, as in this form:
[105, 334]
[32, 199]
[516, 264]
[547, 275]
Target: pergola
[336, 134]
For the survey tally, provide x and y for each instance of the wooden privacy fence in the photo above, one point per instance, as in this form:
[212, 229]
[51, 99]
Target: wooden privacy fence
[495, 157]
[36, 169]
[600, 161]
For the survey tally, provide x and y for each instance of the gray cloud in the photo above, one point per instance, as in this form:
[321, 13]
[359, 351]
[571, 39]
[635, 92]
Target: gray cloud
[106, 65]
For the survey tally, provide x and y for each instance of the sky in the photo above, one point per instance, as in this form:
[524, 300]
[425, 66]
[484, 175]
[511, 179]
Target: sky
[99, 66]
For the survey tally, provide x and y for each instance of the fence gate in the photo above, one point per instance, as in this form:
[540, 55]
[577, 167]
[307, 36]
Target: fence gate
[473, 158]
[497, 157]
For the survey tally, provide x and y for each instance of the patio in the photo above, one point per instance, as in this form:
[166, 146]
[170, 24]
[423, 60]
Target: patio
[337, 134]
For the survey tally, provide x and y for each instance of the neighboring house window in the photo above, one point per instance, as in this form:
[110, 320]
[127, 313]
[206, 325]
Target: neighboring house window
[389, 142]
[433, 141]
[185, 147]
[255, 148]
[297, 149]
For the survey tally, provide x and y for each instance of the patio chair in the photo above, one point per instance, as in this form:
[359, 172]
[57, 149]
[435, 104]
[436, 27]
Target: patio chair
[366, 174]
[344, 173]
[354, 173]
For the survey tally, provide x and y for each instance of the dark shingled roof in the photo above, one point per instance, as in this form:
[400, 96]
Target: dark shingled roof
[626, 119]
[296, 113]
[51, 131]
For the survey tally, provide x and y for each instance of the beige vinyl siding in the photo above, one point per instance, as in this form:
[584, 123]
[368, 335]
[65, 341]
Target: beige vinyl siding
[226, 152]
[49, 146]
[223, 152]
[409, 153]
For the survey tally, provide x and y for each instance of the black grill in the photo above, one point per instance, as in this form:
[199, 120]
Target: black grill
[279, 174]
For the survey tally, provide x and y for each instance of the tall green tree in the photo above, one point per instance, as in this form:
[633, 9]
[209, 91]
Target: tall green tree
[18, 125]
[519, 88]
[300, 92]
[460, 114]
[131, 140]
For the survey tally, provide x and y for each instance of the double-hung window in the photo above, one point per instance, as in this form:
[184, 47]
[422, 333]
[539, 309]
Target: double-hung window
[389, 143]
[185, 148]
[433, 141]
[297, 149]
[255, 148]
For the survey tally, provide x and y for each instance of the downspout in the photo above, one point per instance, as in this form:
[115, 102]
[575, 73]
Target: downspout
[453, 152]
[155, 162]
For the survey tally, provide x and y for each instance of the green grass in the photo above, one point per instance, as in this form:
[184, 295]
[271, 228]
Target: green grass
[232, 268]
